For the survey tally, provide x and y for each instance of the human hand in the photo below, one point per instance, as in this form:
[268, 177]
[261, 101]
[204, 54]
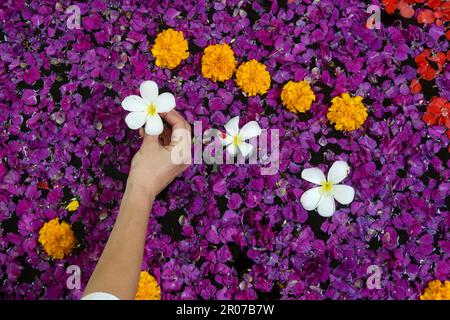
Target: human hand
[158, 162]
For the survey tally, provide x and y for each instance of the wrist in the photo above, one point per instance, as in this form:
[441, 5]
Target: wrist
[139, 190]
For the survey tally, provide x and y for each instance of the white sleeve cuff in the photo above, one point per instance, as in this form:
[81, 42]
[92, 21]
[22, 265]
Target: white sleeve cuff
[100, 296]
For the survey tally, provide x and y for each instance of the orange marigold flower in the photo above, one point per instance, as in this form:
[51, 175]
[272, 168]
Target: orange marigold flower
[297, 96]
[148, 288]
[218, 62]
[170, 49]
[253, 78]
[436, 290]
[57, 238]
[347, 113]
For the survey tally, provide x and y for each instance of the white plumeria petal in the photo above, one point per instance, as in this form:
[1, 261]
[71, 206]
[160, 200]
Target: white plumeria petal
[149, 91]
[231, 149]
[326, 207]
[134, 103]
[310, 198]
[343, 194]
[338, 172]
[165, 102]
[314, 175]
[227, 141]
[250, 130]
[232, 126]
[135, 120]
[245, 148]
[154, 125]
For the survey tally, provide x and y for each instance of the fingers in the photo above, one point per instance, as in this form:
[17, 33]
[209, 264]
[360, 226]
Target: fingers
[175, 120]
[180, 128]
[180, 140]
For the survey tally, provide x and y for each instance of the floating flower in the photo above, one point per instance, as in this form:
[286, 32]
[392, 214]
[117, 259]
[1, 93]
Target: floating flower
[436, 290]
[438, 14]
[253, 78]
[323, 197]
[348, 113]
[73, 205]
[438, 113]
[170, 49]
[218, 62]
[57, 238]
[297, 96]
[145, 109]
[405, 7]
[148, 288]
[235, 138]
[430, 64]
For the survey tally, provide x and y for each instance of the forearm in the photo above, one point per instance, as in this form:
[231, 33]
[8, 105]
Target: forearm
[118, 269]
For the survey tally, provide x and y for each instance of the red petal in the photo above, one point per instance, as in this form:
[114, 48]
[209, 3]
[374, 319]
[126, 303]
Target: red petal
[427, 73]
[434, 3]
[429, 119]
[43, 185]
[415, 86]
[426, 16]
[406, 10]
[447, 36]
[390, 5]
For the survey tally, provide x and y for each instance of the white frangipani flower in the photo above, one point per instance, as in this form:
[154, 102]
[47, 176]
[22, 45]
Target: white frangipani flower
[323, 197]
[234, 138]
[144, 109]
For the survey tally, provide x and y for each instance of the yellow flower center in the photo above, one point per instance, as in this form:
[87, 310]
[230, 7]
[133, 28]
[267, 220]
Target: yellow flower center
[151, 109]
[327, 186]
[437, 290]
[170, 49]
[218, 62]
[297, 96]
[237, 140]
[347, 113]
[57, 238]
[253, 78]
[148, 288]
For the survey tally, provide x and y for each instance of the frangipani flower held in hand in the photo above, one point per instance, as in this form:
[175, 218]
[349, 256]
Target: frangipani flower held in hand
[235, 138]
[144, 109]
[323, 197]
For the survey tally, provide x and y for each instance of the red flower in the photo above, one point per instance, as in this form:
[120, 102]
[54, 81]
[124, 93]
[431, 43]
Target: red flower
[426, 16]
[430, 65]
[438, 112]
[404, 6]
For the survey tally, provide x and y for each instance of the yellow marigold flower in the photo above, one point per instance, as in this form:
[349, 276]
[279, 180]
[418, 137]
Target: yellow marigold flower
[297, 96]
[170, 49]
[218, 62]
[148, 288]
[253, 78]
[73, 205]
[57, 238]
[437, 290]
[348, 113]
